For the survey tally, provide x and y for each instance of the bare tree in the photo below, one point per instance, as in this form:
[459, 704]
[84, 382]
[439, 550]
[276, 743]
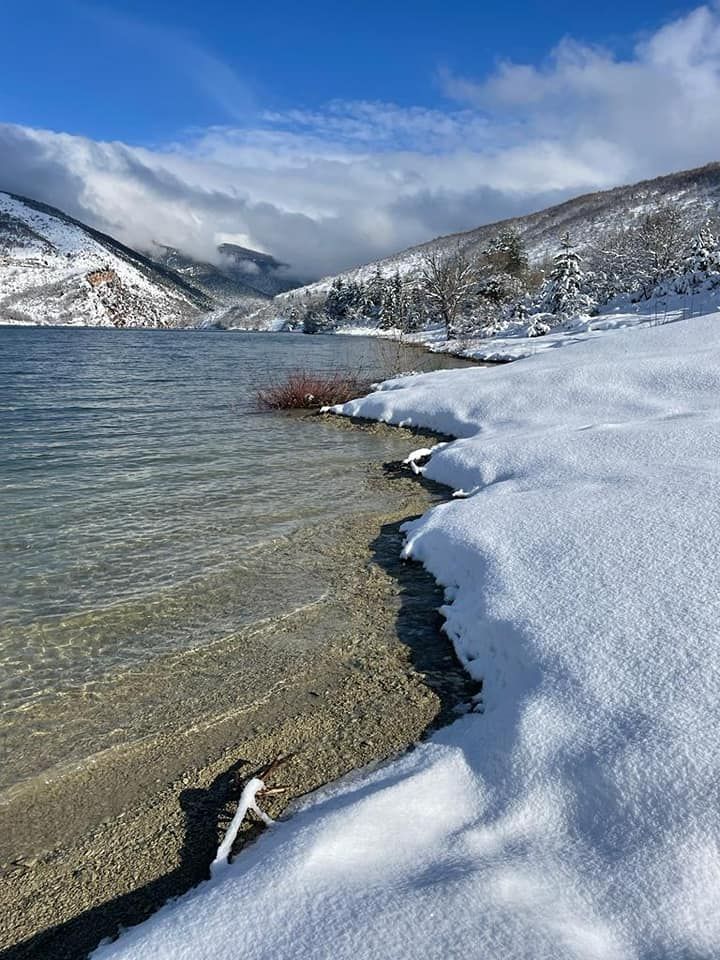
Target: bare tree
[448, 282]
[662, 236]
[646, 253]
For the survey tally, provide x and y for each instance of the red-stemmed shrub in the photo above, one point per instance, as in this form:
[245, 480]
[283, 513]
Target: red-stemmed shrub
[304, 390]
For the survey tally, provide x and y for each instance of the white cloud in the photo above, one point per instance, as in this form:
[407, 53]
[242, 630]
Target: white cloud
[325, 189]
[656, 111]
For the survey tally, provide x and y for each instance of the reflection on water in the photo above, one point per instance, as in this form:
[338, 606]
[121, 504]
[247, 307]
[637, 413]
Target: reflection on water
[143, 497]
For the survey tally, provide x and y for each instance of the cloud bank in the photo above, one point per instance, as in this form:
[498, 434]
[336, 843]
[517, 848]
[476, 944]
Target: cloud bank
[327, 189]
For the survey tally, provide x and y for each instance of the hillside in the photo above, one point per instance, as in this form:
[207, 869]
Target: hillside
[587, 218]
[56, 270]
[258, 270]
[224, 286]
[241, 276]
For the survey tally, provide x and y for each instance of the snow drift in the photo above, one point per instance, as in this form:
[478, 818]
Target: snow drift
[574, 814]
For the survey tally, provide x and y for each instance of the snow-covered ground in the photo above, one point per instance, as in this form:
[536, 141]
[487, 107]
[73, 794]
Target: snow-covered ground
[621, 315]
[515, 345]
[574, 812]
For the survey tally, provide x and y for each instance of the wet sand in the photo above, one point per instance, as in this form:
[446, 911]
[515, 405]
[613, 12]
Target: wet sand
[353, 678]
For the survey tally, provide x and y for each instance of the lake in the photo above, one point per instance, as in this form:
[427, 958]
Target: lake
[147, 507]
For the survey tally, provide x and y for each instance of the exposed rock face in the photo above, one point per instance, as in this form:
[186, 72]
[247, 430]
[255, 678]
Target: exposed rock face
[96, 277]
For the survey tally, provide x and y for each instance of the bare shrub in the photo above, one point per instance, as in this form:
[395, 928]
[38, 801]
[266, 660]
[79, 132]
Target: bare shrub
[304, 390]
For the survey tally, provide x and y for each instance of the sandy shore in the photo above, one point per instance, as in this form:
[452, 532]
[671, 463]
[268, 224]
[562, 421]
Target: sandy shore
[352, 679]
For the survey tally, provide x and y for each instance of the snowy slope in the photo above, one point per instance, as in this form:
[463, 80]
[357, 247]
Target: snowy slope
[241, 283]
[586, 217]
[574, 814]
[53, 269]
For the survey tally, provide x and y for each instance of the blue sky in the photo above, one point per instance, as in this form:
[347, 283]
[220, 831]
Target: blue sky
[331, 135]
[145, 72]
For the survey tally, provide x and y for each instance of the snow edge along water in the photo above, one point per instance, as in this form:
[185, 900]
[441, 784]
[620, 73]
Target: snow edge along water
[574, 818]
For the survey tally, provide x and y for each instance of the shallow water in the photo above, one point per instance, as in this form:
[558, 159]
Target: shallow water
[148, 508]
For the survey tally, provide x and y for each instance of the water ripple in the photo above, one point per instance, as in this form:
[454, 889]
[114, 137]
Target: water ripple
[142, 494]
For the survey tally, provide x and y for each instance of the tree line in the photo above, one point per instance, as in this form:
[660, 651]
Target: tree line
[479, 293]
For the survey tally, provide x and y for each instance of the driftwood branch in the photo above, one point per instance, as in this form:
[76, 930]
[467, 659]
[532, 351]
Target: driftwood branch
[266, 771]
[254, 788]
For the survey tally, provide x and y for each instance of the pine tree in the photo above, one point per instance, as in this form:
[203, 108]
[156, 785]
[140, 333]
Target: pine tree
[314, 320]
[293, 317]
[392, 314]
[415, 310]
[506, 253]
[563, 294]
[373, 296]
[336, 301]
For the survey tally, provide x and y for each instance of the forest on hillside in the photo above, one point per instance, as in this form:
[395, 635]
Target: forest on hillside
[499, 290]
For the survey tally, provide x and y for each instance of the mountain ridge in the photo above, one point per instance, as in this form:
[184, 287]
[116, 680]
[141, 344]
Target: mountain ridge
[108, 240]
[56, 269]
[208, 277]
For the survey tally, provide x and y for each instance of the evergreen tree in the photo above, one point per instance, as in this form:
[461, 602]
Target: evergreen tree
[506, 253]
[563, 294]
[339, 301]
[415, 316]
[500, 288]
[335, 302]
[392, 314]
[314, 320]
[373, 296]
[293, 317]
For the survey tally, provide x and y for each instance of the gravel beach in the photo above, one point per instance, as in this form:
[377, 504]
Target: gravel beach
[350, 679]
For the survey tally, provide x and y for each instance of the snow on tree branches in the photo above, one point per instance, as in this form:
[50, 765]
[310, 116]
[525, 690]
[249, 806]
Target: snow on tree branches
[481, 292]
[563, 295]
[702, 264]
[447, 283]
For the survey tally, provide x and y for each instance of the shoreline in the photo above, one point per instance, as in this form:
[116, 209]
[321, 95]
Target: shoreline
[150, 814]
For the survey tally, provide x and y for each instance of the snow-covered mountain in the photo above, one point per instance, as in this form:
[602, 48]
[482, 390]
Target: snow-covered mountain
[240, 276]
[56, 270]
[259, 270]
[225, 286]
[587, 218]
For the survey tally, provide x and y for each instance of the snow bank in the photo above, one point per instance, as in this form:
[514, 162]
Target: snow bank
[575, 815]
[622, 313]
